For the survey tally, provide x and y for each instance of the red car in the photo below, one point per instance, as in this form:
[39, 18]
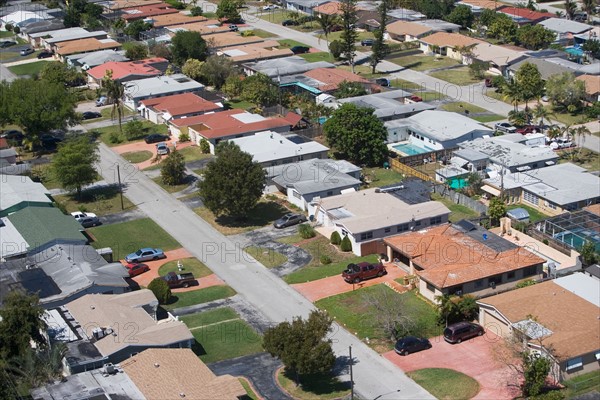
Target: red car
[136, 269]
[415, 98]
[527, 129]
[355, 273]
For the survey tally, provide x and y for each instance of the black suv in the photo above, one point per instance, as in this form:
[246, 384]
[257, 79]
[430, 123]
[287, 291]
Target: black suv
[411, 344]
[460, 331]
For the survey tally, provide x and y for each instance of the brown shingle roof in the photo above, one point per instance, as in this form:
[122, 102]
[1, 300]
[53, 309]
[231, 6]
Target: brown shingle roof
[444, 39]
[223, 124]
[181, 104]
[449, 257]
[592, 83]
[408, 28]
[489, 4]
[83, 45]
[594, 209]
[332, 77]
[178, 373]
[205, 27]
[228, 39]
[145, 11]
[176, 19]
[574, 322]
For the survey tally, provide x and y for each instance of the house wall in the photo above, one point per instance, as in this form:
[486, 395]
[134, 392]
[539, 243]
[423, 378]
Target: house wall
[302, 200]
[550, 208]
[130, 351]
[428, 292]
[493, 321]
[422, 139]
[397, 134]
[589, 364]
[322, 155]
[197, 136]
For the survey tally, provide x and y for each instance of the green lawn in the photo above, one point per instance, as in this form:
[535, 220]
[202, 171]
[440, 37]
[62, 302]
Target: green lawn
[264, 213]
[127, 237]
[100, 201]
[445, 384]
[569, 119]
[6, 34]
[28, 69]
[361, 35]
[113, 131]
[363, 70]
[263, 34]
[378, 177]
[459, 76]
[289, 43]
[461, 107]
[16, 55]
[314, 387]
[585, 158]
[350, 310]
[192, 265]
[173, 188]
[267, 257]
[136, 157]
[457, 211]
[321, 56]
[313, 273]
[275, 16]
[534, 215]
[583, 384]
[250, 395]
[241, 104]
[430, 96]
[421, 62]
[212, 293]
[487, 118]
[406, 85]
[209, 317]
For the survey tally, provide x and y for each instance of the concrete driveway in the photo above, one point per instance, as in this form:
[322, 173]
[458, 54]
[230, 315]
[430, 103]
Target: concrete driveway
[474, 358]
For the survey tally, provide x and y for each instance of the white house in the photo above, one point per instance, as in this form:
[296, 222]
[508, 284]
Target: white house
[160, 86]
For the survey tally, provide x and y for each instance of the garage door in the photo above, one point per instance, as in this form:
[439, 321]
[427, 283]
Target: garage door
[494, 325]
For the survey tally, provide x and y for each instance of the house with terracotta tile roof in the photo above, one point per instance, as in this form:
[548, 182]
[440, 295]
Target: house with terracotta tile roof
[231, 39]
[128, 70]
[130, 14]
[114, 5]
[447, 44]
[157, 373]
[406, 31]
[266, 50]
[208, 27]
[477, 6]
[462, 258]
[523, 16]
[162, 109]
[592, 87]
[160, 21]
[321, 80]
[228, 124]
[557, 319]
[84, 46]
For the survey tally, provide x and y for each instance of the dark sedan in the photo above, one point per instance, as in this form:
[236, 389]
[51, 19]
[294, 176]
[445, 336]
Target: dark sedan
[411, 344]
[45, 54]
[90, 115]
[7, 43]
[300, 49]
[367, 42]
[156, 138]
[289, 22]
[289, 220]
[49, 141]
[13, 136]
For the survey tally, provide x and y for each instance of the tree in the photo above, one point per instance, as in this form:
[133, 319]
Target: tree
[461, 15]
[186, 45]
[477, 69]
[135, 51]
[172, 170]
[196, 11]
[541, 113]
[518, 118]
[232, 183]
[228, 10]
[233, 86]
[133, 129]
[193, 68]
[535, 370]
[530, 82]
[161, 50]
[496, 210]
[73, 164]
[20, 323]
[380, 49]
[326, 23]
[336, 48]
[349, 35]
[503, 28]
[57, 72]
[512, 91]
[570, 8]
[216, 69]
[335, 238]
[563, 90]
[390, 314]
[487, 16]
[346, 244]
[592, 46]
[302, 345]
[350, 89]
[161, 290]
[259, 89]
[453, 309]
[433, 9]
[358, 134]
[114, 94]
[204, 146]
[589, 6]
[535, 37]
[588, 253]
[136, 27]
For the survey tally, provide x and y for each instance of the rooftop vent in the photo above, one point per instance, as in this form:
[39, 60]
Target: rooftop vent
[156, 365]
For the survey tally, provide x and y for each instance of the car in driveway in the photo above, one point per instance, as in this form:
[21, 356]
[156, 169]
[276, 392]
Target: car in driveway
[383, 82]
[300, 49]
[411, 344]
[79, 215]
[355, 273]
[102, 101]
[13, 136]
[367, 42]
[45, 54]
[156, 138]
[415, 99]
[90, 115]
[49, 141]
[233, 28]
[7, 43]
[27, 51]
[136, 269]
[89, 222]
[456, 333]
[505, 127]
[289, 22]
[289, 219]
[162, 149]
[145, 254]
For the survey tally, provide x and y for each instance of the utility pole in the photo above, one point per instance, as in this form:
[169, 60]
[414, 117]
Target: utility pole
[120, 186]
[351, 375]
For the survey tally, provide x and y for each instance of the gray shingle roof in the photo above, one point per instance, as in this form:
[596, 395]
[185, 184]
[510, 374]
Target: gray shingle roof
[285, 66]
[314, 176]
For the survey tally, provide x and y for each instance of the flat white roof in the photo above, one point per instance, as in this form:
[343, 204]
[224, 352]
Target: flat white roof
[59, 32]
[583, 285]
[15, 189]
[11, 242]
[270, 146]
[248, 118]
[443, 125]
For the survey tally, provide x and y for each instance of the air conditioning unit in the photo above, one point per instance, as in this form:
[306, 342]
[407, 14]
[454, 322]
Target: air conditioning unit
[109, 369]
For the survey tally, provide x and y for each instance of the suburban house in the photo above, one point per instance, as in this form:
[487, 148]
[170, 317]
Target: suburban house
[52, 40]
[159, 86]
[462, 258]
[283, 67]
[404, 14]
[22, 17]
[432, 130]
[90, 60]
[447, 44]
[438, 25]
[565, 29]
[161, 21]
[321, 80]
[143, 12]
[406, 31]
[541, 190]
[229, 124]
[37, 39]
[329, 8]
[128, 70]
[162, 109]
[305, 6]
[387, 106]
[557, 319]
[45, 25]
[307, 182]
[524, 16]
[367, 216]
[64, 49]
[8, 154]
[101, 326]
[477, 6]
[592, 87]
[117, 5]
[265, 50]
[208, 27]
[545, 66]
[232, 39]
[61, 273]
[498, 57]
[271, 148]
[19, 192]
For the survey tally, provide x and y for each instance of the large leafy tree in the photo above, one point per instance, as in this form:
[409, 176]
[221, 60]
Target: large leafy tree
[302, 345]
[496, 210]
[193, 68]
[135, 51]
[349, 34]
[228, 10]
[57, 72]
[172, 170]
[350, 89]
[380, 49]
[487, 17]
[135, 28]
[326, 23]
[503, 28]
[535, 37]
[232, 183]
[20, 323]
[259, 89]
[535, 371]
[73, 164]
[564, 91]
[461, 15]
[186, 45]
[358, 134]
[592, 47]
[216, 70]
[530, 82]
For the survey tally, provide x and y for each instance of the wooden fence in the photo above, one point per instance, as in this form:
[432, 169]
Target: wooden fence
[406, 170]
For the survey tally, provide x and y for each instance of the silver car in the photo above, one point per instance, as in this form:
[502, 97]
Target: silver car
[162, 149]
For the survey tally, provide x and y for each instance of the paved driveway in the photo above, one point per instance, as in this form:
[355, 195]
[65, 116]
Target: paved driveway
[474, 358]
[143, 146]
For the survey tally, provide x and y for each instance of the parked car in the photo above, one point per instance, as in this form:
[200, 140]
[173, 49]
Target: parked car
[136, 269]
[361, 271]
[27, 51]
[561, 143]
[102, 101]
[50, 141]
[7, 43]
[13, 136]
[527, 129]
[505, 127]
[415, 98]
[300, 49]
[45, 54]
[289, 22]
[289, 219]
[411, 344]
[269, 7]
[488, 82]
[367, 42]
[233, 28]
[383, 82]
[179, 280]
[145, 254]
[90, 115]
[456, 333]
[162, 149]
[79, 215]
[336, 28]
[155, 138]
[89, 222]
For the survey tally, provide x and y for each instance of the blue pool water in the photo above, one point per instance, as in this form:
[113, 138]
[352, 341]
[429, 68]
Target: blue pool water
[577, 238]
[575, 51]
[410, 149]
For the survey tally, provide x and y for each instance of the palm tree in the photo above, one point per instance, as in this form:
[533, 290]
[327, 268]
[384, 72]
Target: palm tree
[580, 132]
[570, 8]
[588, 6]
[114, 93]
[540, 113]
[327, 22]
[518, 118]
[513, 92]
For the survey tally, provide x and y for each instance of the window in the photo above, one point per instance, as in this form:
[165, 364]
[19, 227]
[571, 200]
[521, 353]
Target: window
[366, 235]
[574, 363]
[479, 283]
[530, 271]
[296, 194]
[435, 220]
[552, 206]
[387, 230]
[510, 275]
[530, 198]
[330, 193]
[418, 223]
[402, 228]
[430, 287]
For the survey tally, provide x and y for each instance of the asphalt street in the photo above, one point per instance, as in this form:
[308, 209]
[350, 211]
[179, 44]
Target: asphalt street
[374, 376]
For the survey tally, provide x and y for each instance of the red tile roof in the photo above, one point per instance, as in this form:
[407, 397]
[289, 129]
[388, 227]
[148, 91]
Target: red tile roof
[181, 104]
[535, 16]
[222, 124]
[293, 118]
[332, 77]
[3, 144]
[134, 13]
[121, 70]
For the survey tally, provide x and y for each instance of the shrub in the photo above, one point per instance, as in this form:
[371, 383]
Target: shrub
[184, 137]
[161, 290]
[525, 283]
[204, 146]
[545, 241]
[336, 49]
[306, 231]
[346, 244]
[17, 30]
[196, 11]
[247, 33]
[114, 137]
[178, 5]
[325, 259]
[8, 27]
[335, 238]
[133, 129]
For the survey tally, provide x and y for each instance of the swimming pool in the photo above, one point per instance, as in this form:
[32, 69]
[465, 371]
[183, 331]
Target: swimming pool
[578, 238]
[575, 51]
[410, 149]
